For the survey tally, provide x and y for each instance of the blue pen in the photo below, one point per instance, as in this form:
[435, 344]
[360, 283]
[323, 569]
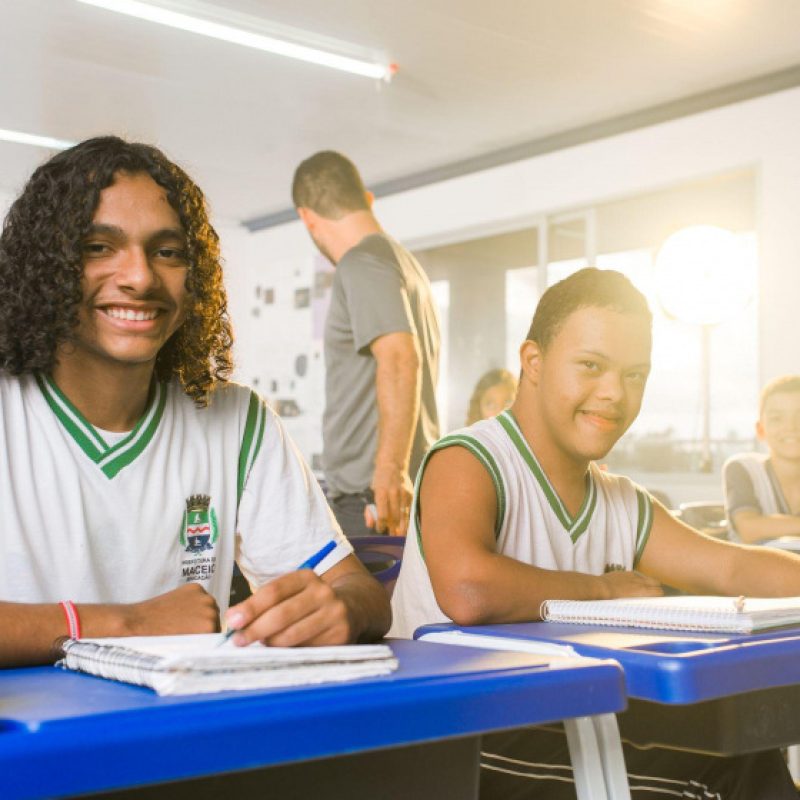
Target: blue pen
[312, 562]
[309, 563]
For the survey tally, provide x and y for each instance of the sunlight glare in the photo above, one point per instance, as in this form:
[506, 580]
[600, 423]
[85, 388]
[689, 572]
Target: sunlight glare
[703, 276]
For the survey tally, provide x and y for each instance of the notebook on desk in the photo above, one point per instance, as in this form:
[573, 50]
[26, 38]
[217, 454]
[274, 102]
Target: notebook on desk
[196, 663]
[681, 613]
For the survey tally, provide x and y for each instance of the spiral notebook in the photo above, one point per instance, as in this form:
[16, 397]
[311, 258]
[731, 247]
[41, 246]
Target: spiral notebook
[680, 613]
[198, 663]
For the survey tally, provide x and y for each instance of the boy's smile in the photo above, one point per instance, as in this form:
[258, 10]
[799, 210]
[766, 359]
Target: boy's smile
[779, 425]
[589, 382]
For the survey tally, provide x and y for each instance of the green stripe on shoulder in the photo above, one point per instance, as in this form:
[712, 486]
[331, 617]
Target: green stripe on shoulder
[644, 522]
[479, 450]
[251, 440]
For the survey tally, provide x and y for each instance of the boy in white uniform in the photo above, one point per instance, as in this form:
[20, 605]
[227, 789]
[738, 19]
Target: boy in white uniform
[132, 472]
[512, 511]
[762, 491]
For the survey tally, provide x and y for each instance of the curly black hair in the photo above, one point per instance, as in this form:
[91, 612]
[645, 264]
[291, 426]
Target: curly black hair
[41, 266]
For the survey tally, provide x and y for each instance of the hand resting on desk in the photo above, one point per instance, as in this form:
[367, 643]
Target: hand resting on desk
[622, 583]
[187, 609]
[30, 630]
[300, 608]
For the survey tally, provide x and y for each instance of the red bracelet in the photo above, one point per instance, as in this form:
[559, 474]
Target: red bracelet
[73, 620]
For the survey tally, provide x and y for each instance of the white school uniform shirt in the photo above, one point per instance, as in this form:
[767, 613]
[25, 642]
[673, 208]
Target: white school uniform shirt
[178, 499]
[609, 531]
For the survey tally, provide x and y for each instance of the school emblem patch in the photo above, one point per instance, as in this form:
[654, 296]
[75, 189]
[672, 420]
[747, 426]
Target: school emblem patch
[200, 530]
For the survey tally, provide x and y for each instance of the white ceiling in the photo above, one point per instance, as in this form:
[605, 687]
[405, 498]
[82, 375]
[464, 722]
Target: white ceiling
[475, 77]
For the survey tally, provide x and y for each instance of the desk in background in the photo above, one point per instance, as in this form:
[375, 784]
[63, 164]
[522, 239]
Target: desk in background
[716, 693]
[414, 733]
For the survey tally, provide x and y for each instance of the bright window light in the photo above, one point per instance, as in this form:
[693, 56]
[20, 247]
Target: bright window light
[703, 276]
[293, 44]
[37, 141]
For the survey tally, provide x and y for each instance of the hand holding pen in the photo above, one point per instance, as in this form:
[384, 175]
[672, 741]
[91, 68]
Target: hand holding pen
[297, 608]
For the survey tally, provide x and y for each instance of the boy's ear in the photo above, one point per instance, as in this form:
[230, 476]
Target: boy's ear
[760, 431]
[530, 359]
[307, 216]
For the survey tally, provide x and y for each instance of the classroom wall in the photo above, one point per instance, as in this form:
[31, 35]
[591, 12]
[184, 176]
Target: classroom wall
[6, 199]
[757, 134]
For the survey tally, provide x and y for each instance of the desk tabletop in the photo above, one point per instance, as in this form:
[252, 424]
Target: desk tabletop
[94, 734]
[672, 667]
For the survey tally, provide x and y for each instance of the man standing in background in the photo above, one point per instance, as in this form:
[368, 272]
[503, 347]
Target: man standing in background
[381, 351]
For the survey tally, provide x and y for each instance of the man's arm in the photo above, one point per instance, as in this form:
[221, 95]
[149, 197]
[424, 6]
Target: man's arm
[28, 631]
[344, 605]
[682, 557]
[473, 584]
[397, 384]
[755, 527]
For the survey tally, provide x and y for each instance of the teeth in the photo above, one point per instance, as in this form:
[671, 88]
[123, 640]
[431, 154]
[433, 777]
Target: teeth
[130, 314]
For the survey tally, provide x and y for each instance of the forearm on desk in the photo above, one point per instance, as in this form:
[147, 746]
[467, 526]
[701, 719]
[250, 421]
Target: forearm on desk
[754, 527]
[28, 632]
[494, 588]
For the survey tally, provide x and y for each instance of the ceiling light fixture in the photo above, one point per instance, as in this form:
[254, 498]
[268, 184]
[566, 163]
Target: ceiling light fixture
[254, 32]
[18, 137]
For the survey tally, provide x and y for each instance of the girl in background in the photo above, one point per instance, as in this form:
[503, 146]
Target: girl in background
[493, 393]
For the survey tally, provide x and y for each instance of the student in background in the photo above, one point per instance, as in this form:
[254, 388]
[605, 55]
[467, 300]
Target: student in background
[381, 351]
[514, 510]
[494, 392]
[762, 492]
[133, 472]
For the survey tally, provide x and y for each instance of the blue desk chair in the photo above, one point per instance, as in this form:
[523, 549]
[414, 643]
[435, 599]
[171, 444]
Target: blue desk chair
[381, 555]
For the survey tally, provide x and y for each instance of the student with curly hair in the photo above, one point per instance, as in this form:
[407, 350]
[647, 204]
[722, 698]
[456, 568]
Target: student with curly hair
[133, 472]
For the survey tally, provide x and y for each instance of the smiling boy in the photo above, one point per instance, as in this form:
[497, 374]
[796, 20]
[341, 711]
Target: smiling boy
[762, 491]
[133, 473]
[514, 510]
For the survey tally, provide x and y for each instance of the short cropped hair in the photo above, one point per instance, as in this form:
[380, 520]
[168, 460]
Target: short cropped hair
[329, 184]
[782, 385]
[586, 288]
[41, 264]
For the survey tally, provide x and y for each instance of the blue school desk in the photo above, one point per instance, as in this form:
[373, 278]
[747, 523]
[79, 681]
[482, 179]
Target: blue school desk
[716, 693]
[414, 733]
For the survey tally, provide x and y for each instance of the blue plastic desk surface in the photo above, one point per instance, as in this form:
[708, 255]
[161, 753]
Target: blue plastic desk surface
[63, 733]
[672, 666]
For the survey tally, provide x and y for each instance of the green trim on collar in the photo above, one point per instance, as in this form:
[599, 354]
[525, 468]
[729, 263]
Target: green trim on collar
[132, 446]
[574, 527]
[111, 460]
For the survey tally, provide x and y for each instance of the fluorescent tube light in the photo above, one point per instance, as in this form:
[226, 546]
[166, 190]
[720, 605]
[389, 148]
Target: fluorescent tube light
[261, 35]
[37, 141]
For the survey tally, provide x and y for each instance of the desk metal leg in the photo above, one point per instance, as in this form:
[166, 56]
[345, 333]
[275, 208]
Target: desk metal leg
[587, 767]
[611, 756]
[793, 759]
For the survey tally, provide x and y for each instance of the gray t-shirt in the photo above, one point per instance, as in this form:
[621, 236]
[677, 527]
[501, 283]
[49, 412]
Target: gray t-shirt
[378, 288]
[750, 483]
